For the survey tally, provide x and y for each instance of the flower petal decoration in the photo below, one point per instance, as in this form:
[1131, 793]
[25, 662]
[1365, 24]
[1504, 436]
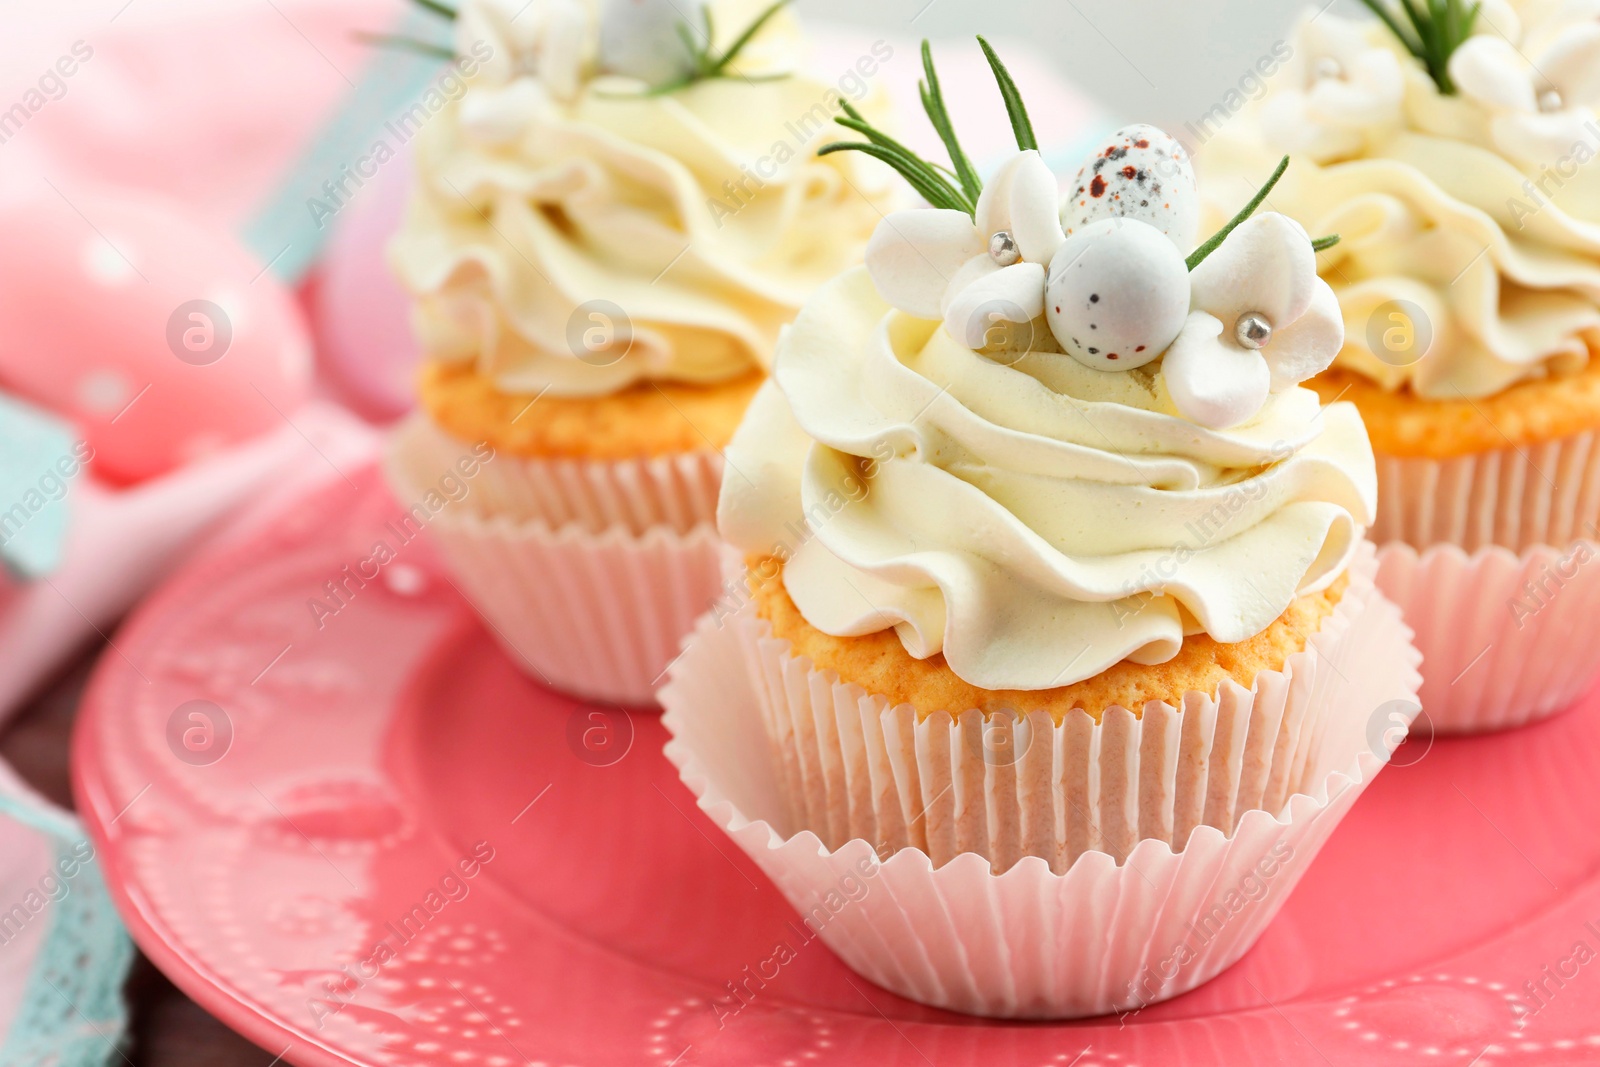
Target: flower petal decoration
[1540, 91]
[551, 40]
[1265, 268]
[1213, 383]
[1489, 70]
[936, 263]
[1547, 138]
[1035, 209]
[1572, 63]
[1340, 85]
[1010, 294]
[913, 255]
[1304, 348]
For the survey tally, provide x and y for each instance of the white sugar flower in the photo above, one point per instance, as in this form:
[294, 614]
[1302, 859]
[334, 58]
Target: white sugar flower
[1261, 321]
[530, 52]
[944, 264]
[552, 41]
[1540, 91]
[1339, 85]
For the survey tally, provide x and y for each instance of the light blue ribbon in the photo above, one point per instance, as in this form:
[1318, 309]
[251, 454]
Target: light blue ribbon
[39, 456]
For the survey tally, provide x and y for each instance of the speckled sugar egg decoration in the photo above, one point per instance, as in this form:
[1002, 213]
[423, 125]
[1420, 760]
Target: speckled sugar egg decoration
[1117, 294]
[641, 38]
[1139, 172]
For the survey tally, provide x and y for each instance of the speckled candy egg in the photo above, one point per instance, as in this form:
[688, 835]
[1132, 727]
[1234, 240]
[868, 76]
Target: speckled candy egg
[640, 38]
[1117, 294]
[1139, 172]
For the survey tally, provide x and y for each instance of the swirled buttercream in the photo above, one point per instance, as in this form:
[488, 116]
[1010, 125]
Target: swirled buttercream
[1036, 522]
[565, 215]
[1470, 258]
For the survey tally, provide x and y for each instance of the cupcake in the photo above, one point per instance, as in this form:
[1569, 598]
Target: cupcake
[1469, 281]
[612, 219]
[1060, 617]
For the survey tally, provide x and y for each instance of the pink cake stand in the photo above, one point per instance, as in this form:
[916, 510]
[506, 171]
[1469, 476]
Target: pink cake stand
[364, 838]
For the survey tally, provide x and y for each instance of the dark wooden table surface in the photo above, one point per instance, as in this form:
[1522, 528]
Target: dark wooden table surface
[168, 1029]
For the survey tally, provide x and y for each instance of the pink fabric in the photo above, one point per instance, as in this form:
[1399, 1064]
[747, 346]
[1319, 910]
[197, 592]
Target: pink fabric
[208, 100]
[122, 542]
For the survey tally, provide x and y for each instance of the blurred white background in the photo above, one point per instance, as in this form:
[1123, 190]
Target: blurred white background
[1160, 61]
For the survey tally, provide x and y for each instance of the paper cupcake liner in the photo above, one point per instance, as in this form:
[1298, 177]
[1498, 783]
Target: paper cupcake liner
[1544, 494]
[1505, 638]
[1112, 931]
[852, 766]
[677, 492]
[595, 613]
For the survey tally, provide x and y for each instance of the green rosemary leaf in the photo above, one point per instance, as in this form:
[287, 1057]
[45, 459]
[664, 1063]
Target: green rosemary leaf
[1436, 29]
[407, 44]
[1018, 111]
[1448, 12]
[442, 10]
[1381, 9]
[939, 115]
[873, 133]
[877, 136]
[686, 35]
[927, 183]
[1322, 244]
[744, 38]
[1431, 31]
[1198, 255]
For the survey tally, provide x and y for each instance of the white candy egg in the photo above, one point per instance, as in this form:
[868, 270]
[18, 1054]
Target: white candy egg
[1117, 294]
[640, 38]
[1139, 172]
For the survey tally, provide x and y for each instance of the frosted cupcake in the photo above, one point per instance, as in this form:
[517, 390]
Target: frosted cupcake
[1469, 278]
[1059, 602]
[609, 227]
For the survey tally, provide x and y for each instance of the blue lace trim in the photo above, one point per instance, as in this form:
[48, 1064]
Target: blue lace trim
[72, 1014]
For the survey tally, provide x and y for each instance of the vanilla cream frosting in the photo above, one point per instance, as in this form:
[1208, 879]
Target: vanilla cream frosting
[1447, 205]
[563, 214]
[1036, 522]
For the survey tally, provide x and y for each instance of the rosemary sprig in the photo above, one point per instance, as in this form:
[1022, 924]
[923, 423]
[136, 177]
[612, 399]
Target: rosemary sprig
[1020, 123]
[706, 64]
[954, 188]
[1320, 244]
[444, 11]
[939, 116]
[923, 176]
[1437, 28]
[1198, 255]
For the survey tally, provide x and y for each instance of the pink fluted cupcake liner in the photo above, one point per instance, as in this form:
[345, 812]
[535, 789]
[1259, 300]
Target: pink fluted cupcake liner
[1544, 494]
[595, 604]
[1506, 639]
[1489, 557]
[678, 492]
[1221, 812]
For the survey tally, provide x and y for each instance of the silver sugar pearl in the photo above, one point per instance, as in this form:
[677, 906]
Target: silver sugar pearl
[1003, 249]
[1550, 100]
[1253, 330]
[1327, 67]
